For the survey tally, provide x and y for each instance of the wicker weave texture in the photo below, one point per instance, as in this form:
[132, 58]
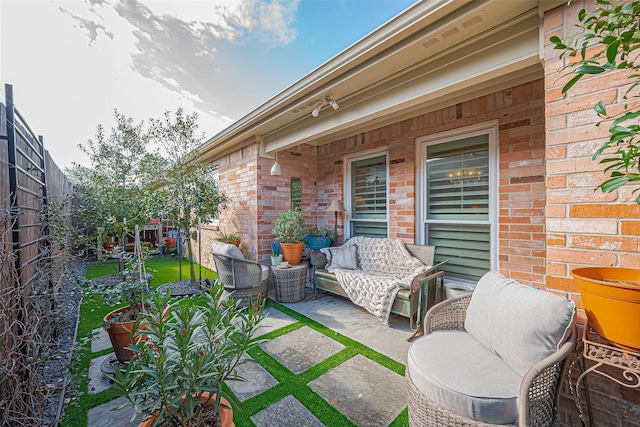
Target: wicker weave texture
[242, 278]
[289, 283]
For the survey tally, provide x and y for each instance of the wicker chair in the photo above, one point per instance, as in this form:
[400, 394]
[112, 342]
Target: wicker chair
[533, 399]
[243, 279]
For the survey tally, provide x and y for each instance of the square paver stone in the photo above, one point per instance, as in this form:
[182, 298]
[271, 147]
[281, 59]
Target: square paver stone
[100, 340]
[364, 391]
[286, 412]
[104, 416]
[301, 349]
[257, 380]
[97, 380]
[274, 319]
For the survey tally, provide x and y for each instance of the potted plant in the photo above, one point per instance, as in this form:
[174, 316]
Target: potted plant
[276, 253]
[229, 238]
[290, 230]
[131, 291]
[177, 374]
[319, 238]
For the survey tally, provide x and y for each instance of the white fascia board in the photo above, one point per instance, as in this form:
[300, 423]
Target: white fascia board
[467, 69]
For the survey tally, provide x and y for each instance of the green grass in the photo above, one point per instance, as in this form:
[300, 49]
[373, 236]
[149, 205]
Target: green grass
[91, 315]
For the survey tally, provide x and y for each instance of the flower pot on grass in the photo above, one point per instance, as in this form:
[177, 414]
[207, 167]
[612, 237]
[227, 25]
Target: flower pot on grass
[120, 331]
[225, 413]
[611, 299]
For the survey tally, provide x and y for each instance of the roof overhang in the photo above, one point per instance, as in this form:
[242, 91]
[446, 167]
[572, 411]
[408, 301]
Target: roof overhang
[434, 54]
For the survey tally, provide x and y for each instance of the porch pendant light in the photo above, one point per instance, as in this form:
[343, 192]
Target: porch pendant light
[275, 169]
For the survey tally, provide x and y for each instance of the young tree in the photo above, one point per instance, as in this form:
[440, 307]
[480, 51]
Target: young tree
[187, 189]
[110, 192]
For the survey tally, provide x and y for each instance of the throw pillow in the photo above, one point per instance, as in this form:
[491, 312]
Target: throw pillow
[345, 257]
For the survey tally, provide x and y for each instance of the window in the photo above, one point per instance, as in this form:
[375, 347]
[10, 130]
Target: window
[366, 195]
[296, 194]
[457, 192]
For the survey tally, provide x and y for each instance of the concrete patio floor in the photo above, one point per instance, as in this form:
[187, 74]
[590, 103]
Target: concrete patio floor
[353, 387]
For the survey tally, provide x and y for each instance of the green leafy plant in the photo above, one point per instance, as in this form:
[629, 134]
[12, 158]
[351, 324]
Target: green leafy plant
[609, 40]
[289, 227]
[228, 237]
[323, 232]
[185, 355]
[187, 190]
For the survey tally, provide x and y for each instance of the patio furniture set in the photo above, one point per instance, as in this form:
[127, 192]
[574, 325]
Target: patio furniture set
[496, 356]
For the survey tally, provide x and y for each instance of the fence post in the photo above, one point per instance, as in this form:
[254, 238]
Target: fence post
[13, 178]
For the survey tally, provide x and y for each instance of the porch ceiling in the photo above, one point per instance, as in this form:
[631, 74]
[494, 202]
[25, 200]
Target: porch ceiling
[434, 54]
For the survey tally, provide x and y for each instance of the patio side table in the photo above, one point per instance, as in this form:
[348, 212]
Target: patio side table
[290, 283]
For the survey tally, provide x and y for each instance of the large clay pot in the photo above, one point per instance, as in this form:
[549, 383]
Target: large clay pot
[120, 335]
[292, 252]
[170, 242]
[611, 299]
[108, 246]
[226, 414]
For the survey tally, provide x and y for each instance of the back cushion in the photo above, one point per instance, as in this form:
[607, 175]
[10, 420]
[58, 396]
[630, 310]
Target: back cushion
[521, 324]
[226, 249]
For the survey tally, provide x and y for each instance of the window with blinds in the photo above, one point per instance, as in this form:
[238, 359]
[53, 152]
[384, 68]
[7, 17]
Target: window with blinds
[457, 219]
[368, 211]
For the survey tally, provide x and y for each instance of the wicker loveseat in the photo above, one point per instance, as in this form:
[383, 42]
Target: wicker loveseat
[243, 279]
[494, 357]
[425, 289]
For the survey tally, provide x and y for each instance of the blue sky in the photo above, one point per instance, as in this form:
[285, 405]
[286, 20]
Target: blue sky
[72, 62]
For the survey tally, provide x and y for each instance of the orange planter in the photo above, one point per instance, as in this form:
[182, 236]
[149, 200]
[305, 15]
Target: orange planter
[120, 335]
[170, 242]
[226, 414]
[611, 299]
[292, 252]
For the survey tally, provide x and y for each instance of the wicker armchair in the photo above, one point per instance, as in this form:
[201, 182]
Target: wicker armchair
[533, 403]
[245, 280]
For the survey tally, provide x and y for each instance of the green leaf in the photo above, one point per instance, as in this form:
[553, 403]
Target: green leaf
[613, 184]
[571, 82]
[627, 116]
[589, 69]
[600, 108]
[612, 51]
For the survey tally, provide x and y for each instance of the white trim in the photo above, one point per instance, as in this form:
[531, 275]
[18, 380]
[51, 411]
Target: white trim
[348, 160]
[489, 128]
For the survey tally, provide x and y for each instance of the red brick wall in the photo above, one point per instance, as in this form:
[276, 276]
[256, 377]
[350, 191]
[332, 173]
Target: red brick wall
[584, 227]
[520, 113]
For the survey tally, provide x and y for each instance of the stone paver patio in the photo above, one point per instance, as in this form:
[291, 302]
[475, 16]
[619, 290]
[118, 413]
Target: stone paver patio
[353, 387]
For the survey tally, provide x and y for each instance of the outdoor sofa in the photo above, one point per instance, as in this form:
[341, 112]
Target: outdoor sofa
[492, 357]
[383, 259]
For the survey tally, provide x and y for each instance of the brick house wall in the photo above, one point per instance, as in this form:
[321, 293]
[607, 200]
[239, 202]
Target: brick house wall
[584, 227]
[520, 113]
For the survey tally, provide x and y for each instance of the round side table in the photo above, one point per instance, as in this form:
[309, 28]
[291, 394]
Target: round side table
[289, 283]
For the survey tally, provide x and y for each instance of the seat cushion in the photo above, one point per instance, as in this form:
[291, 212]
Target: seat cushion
[226, 249]
[454, 370]
[521, 324]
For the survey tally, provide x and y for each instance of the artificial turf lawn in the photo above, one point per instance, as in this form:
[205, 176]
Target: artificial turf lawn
[288, 382]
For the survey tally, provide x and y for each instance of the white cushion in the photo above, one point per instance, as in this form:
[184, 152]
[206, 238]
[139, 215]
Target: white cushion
[452, 369]
[521, 324]
[345, 256]
[226, 249]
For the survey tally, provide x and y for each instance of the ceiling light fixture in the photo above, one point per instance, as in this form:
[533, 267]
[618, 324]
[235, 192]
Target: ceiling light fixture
[276, 170]
[333, 103]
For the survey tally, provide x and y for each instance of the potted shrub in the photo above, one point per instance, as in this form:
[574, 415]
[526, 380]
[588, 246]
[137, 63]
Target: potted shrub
[290, 230]
[229, 238]
[276, 253]
[132, 291]
[319, 238]
[178, 370]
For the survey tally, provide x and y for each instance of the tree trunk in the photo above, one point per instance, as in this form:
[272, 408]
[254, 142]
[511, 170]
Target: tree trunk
[192, 270]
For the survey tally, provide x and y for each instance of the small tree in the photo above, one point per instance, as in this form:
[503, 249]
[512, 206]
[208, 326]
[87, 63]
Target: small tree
[110, 191]
[609, 40]
[187, 189]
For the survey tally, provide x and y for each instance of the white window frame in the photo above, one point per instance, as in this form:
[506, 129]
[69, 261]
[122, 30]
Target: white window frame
[348, 160]
[486, 128]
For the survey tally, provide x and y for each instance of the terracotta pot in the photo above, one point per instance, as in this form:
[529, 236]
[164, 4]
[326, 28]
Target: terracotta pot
[292, 252]
[170, 242]
[611, 299]
[226, 414]
[120, 335]
[108, 246]
[235, 243]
